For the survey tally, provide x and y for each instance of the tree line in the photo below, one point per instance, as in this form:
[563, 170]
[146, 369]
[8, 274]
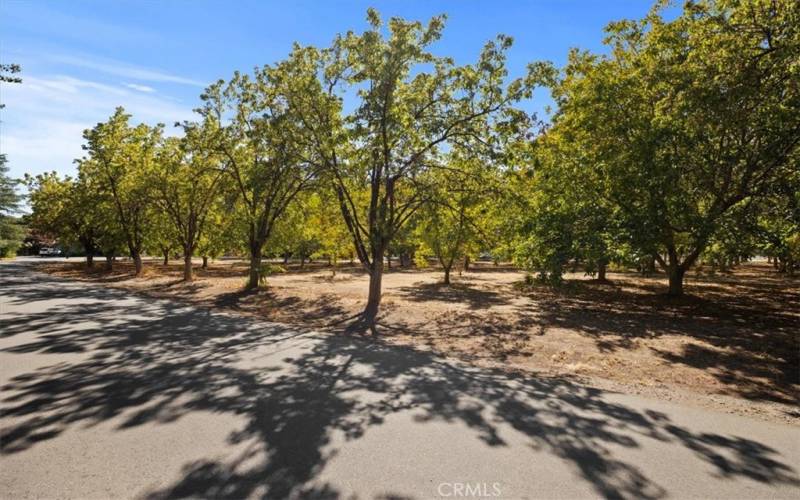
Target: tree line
[677, 146]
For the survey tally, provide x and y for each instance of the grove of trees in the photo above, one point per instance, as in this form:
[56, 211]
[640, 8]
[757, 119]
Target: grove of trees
[677, 146]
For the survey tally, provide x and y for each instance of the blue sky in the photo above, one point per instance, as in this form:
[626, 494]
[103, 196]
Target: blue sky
[80, 59]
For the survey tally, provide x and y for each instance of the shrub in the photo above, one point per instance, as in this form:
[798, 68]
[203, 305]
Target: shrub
[8, 248]
[267, 270]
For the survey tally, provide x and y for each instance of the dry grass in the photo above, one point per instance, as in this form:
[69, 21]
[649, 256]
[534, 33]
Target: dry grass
[733, 336]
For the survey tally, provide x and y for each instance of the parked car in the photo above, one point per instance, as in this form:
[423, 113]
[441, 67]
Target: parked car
[49, 252]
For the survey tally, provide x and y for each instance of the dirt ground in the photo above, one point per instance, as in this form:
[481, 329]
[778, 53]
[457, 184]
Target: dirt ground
[732, 343]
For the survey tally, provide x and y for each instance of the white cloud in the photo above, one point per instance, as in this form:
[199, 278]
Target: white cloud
[41, 126]
[62, 87]
[124, 70]
[140, 88]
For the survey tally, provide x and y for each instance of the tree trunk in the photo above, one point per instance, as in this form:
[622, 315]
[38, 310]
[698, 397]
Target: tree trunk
[374, 297]
[302, 262]
[388, 262]
[187, 266]
[466, 263]
[676, 274]
[109, 263]
[166, 257]
[89, 249]
[255, 266]
[601, 271]
[205, 261]
[137, 263]
[447, 275]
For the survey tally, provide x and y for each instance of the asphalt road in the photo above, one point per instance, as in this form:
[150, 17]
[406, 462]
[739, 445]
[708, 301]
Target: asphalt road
[107, 395]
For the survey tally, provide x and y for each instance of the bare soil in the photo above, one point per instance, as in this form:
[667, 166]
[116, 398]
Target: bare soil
[732, 343]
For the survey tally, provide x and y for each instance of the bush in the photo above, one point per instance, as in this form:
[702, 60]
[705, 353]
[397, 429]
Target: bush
[544, 256]
[267, 270]
[8, 248]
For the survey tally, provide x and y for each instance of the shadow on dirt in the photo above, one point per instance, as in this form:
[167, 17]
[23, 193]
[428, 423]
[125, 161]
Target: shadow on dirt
[749, 336]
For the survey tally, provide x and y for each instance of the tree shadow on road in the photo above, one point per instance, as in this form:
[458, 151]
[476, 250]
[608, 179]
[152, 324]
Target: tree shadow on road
[160, 362]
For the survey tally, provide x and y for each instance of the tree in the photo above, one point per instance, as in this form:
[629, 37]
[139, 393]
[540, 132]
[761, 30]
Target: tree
[298, 233]
[324, 219]
[9, 198]
[566, 217]
[119, 156]
[161, 237]
[71, 211]
[261, 146]
[404, 245]
[50, 200]
[686, 119]
[111, 241]
[8, 74]
[777, 220]
[411, 106]
[288, 229]
[447, 225]
[218, 233]
[442, 233]
[187, 176]
[10, 233]
[548, 241]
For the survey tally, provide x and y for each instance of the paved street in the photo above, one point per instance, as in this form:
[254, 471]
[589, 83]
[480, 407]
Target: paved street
[106, 394]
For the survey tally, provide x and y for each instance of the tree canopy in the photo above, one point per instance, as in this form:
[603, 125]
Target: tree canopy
[677, 146]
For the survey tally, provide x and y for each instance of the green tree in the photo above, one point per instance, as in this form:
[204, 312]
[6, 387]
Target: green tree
[297, 234]
[11, 234]
[9, 198]
[71, 211]
[411, 105]
[119, 158]
[566, 217]
[161, 237]
[333, 239]
[262, 148]
[777, 220]
[686, 119]
[448, 225]
[219, 233]
[187, 176]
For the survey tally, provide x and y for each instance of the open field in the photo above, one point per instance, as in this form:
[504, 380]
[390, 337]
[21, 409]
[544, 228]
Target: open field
[731, 343]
